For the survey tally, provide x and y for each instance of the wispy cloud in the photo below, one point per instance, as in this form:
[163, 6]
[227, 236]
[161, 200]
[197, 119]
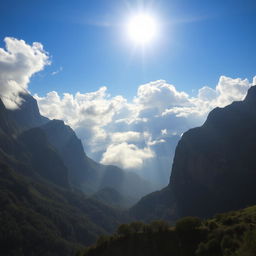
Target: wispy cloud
[57, 71]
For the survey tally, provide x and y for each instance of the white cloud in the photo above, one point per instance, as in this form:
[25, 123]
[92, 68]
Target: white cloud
[18, 62]
[207, 94]
[89, 114]
[226, 91]
[126, 155]
[132, 135]
[160, 95]
[155, 142]
[231, 90]
[115, 131]
[57, 71]
[129, 136]
[164, 131]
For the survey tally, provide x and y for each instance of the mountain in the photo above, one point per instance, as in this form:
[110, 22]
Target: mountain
[110, 196]
[128, 184]
[214, 168]
[39, 212]
[232, 233]
[83, 173]
[27, 115]
[70, 148]
[86, 174]
[6, 125]
[43, 157]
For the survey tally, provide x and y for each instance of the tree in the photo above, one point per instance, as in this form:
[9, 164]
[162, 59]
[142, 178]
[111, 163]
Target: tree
[159, 226]
[124, 230]
[137, 227]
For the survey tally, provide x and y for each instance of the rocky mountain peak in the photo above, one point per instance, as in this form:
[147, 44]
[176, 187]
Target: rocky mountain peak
[28, 115]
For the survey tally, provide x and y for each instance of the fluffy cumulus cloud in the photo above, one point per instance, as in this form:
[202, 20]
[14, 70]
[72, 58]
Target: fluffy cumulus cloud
[226, 91]
[127, 155]
[18, 62]
[160, 95]
[132, 134]
[89, 114]
[140, 134]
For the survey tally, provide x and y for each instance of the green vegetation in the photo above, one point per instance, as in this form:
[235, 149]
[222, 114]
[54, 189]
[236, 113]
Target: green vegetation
[228, 234]
[40, 213]
[37, 218]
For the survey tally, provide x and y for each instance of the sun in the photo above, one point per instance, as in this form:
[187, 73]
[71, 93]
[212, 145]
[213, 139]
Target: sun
[142, 28]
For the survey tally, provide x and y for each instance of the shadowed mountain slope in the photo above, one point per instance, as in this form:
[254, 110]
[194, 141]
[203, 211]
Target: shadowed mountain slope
[110, 196]
[83, 173]
[214, 168]
[39, 213]
[27, 115]
[86, 174]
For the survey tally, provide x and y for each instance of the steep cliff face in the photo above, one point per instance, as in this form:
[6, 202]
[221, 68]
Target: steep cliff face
[70, 148]
[214, 168]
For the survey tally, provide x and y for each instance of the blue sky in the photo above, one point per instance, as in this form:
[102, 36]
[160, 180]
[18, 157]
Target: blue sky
[198, 42]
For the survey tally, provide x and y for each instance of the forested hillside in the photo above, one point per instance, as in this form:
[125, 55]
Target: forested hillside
[227, 234]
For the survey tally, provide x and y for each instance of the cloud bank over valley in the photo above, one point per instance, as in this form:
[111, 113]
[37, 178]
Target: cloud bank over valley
[141, 134]
[138, 135]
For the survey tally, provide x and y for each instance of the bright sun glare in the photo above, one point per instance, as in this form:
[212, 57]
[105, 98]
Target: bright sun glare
[142, 28]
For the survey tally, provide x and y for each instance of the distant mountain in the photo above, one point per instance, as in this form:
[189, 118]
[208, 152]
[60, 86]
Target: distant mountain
[86, 174]
[129, 184]
[110, 196]
[214, 168]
